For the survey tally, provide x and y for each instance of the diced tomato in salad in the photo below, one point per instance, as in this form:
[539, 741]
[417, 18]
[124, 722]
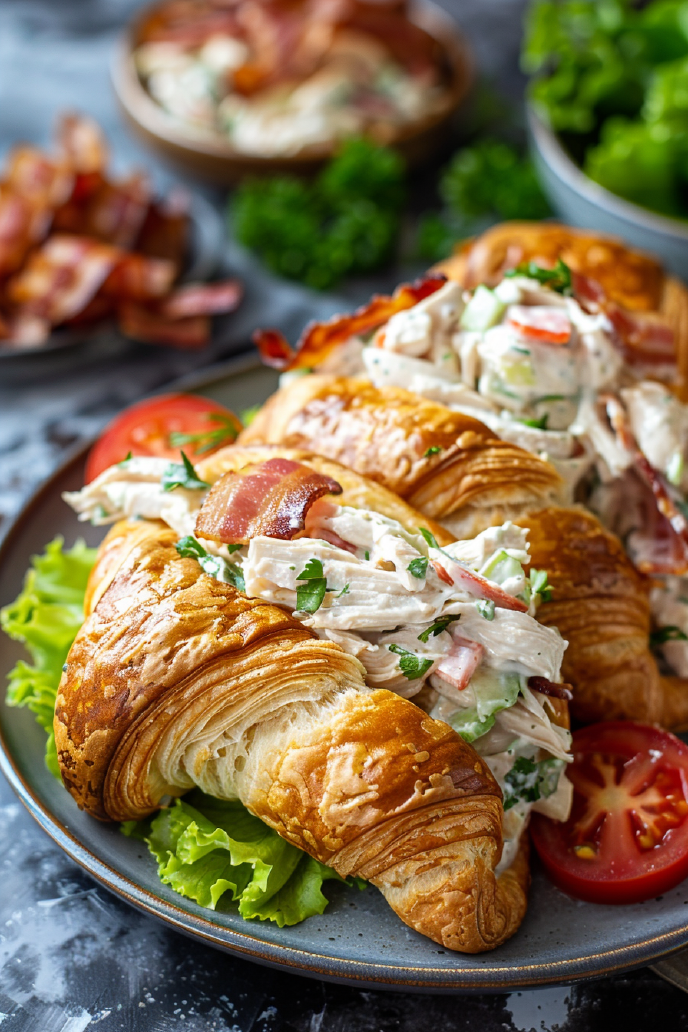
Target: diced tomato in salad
[540, 323]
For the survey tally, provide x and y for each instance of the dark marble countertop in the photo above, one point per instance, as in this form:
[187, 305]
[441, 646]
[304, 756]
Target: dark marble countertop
[72, 957]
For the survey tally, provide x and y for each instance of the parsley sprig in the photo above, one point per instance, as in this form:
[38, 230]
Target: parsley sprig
[411, 665]
[214, 565]
[182, 474]
[431, 541]
[311, 595]
[440, 624]
[558, 278]
[529, 780]
[207, 440]
[668, 633]
[418, 567]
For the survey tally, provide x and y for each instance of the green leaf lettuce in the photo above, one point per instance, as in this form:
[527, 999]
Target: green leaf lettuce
[208, 847]
[45, 618]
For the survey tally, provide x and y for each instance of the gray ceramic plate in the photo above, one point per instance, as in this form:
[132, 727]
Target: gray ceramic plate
[358, 939]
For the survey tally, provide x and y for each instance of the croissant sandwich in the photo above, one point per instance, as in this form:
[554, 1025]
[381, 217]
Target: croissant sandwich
[600, 603]
[259, 634]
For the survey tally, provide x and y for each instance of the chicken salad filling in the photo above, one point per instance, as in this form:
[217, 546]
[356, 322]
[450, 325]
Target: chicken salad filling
[452, 627]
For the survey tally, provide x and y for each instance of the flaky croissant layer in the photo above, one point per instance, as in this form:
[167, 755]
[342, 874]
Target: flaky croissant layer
[177, 680]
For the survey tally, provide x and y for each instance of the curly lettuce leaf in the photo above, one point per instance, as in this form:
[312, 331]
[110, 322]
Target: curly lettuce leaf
[45, 618]
[207, 848]
[638, 162]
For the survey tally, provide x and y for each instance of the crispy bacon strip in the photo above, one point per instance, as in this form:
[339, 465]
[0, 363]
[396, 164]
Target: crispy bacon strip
[165, 230]
[115, 212]
[27, 331]
[22, 225]
[274, 349]
[137, 278]
[546, 687]
[148, 325]
[62, 277]
[644, 338]
[320, 338]
[203, 299]
[189, 23]
[82, 143]
[268, 499]
[452, 572]
[32, 175]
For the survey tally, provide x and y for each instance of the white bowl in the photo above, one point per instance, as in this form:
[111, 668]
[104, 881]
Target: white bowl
[581, 202]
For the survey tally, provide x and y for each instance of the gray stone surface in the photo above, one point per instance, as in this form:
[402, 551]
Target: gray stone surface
[71, 956]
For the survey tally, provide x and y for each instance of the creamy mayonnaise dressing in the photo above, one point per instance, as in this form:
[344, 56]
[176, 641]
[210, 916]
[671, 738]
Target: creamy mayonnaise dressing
[469, 351]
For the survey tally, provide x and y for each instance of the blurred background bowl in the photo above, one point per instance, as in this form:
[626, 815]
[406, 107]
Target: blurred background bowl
[581, 202]
[210, 156]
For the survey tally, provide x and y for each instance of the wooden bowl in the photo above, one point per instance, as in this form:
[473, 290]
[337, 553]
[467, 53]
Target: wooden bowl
[209, 155]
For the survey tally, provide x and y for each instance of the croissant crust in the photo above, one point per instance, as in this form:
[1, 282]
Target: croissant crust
[600, 606]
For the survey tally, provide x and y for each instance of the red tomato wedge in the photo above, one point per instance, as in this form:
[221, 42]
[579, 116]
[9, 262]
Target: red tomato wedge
[540, 323]
[627, 837]
[163, 427]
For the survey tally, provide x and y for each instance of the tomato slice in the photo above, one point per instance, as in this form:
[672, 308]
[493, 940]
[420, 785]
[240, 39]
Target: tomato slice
[147, 428]
[627, 837]
[540, 323]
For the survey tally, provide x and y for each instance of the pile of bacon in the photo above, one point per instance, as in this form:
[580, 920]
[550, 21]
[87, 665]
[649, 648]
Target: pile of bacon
[78, 247]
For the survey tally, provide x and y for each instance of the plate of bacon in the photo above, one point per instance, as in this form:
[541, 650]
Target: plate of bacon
[81, 249]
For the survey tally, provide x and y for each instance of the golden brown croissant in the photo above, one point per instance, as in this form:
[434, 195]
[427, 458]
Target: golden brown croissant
[444, 463]
[176, 679]
[630, 278]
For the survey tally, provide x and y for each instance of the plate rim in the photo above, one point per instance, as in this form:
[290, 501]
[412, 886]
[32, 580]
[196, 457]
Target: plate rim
[308, 963]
